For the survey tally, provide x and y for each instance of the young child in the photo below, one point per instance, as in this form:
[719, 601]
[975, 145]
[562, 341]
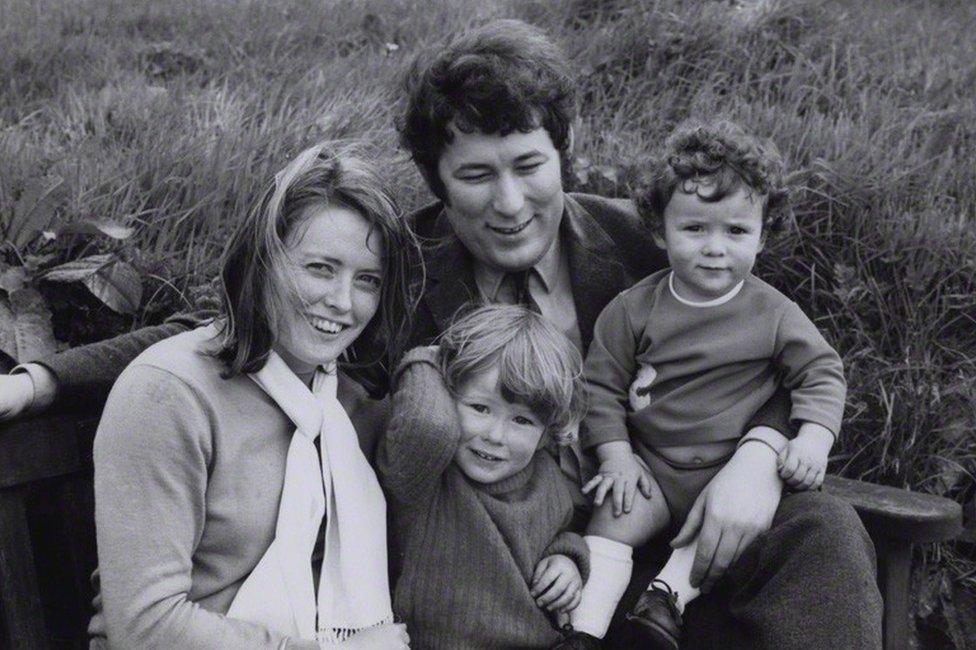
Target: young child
[480, 509]
[682, 360]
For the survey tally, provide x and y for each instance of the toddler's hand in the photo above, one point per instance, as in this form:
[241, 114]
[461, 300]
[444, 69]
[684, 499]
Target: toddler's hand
[802, 463]
[556, 584]
[624, 475]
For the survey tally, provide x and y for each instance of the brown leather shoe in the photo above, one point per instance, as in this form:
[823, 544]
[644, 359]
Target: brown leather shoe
[576, 640]
[657, 617]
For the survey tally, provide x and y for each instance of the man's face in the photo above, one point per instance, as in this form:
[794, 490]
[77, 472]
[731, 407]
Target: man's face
[504, 195]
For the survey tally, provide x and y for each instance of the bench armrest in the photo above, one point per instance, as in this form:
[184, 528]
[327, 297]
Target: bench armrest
[899, 514]
[45, 446]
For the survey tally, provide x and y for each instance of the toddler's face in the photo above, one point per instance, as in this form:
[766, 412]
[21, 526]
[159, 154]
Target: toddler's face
[498, 437]
[711, 246]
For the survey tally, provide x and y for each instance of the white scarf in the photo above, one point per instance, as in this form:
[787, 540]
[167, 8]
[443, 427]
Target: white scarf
[354, 591]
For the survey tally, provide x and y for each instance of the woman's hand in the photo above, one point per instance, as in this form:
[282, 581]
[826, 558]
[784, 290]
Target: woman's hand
[733, 509]
[391, 636]
[556, 584]
[621, 474]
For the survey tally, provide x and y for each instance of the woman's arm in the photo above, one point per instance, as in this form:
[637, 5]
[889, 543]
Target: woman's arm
[152, 453]
[423, 432]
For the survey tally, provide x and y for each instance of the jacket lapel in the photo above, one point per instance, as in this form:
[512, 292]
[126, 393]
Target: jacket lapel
[450, 275]
[594, 270]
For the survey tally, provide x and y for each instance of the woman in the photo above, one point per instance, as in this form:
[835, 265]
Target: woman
[235, 507]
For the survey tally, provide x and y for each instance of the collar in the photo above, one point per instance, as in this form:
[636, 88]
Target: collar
[489, 280]
[714, 302]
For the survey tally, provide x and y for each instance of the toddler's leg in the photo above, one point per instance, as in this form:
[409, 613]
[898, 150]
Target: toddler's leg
[611, 541]
[676, 574]
[658, 610]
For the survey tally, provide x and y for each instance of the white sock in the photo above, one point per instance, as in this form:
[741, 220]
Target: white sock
[610, 568]
[677, 574]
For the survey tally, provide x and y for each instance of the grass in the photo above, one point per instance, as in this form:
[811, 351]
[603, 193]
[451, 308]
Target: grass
[171, 114]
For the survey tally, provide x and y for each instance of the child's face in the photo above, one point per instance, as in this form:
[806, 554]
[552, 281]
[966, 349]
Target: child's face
[498, 438]
[711, 246]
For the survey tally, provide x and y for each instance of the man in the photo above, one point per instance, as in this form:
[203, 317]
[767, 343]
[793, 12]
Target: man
[488, 121]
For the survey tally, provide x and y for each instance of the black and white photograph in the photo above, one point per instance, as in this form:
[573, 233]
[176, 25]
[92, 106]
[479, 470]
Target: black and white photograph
[488, 324]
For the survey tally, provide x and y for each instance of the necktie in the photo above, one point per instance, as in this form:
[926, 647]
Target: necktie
[523, 295]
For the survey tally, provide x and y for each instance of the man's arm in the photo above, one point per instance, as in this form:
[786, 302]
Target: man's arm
[84, 375]
[735, 507]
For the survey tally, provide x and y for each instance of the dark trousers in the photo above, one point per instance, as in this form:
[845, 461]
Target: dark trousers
[807, 582]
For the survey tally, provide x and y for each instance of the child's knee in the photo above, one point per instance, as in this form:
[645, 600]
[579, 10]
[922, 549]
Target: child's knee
[647, 518]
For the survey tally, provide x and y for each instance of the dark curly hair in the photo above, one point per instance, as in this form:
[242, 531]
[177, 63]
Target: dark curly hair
[729, 157]
[502, 77]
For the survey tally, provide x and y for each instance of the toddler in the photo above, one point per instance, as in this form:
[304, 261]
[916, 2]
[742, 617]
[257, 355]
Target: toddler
[480, 508]
[681, 361]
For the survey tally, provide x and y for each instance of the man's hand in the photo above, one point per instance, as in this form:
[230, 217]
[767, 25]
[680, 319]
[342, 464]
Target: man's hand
[733, 509]
[621, 472]
[16, 395]
[556, 584]
[802, 463]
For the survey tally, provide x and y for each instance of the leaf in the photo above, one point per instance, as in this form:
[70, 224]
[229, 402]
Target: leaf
[25, 325]
[118, 285]
[34, 209]
[13, 278]
[108, 228]
[113, 281]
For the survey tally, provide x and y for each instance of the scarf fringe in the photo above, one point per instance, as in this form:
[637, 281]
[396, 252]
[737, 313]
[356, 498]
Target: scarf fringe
[337, 635]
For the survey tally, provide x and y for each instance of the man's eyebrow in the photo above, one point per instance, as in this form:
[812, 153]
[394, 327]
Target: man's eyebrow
[471, 166]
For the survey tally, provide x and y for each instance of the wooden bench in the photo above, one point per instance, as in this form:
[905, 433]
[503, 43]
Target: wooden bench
[47, 534]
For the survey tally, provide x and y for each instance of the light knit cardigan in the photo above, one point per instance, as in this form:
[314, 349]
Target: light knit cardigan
[188, 474]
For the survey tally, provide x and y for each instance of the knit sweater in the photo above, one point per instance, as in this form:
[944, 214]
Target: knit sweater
[468, 550]
[675, 374]
[188, 475]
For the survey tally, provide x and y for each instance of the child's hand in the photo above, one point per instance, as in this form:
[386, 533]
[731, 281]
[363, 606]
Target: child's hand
[624, 475]
[802, 463]
[556, 584]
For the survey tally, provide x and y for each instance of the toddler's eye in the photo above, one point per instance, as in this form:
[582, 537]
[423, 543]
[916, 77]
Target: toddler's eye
[524, 421]
[478, 408]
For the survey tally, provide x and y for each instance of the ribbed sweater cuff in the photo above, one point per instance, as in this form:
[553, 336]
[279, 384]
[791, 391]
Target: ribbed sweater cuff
[572, 546]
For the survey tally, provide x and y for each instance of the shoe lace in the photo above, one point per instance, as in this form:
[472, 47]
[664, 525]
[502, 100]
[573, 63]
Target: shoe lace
[661, 585]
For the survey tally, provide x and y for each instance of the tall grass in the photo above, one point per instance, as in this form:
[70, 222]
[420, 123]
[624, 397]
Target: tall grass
[171, 114]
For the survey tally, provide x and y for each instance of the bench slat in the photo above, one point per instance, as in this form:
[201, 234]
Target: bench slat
[899, 514]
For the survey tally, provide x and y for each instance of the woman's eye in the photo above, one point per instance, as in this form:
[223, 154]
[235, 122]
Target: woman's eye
[528, 168]
[692, 228]
[371, 281]
[478, 408]
[319, 267]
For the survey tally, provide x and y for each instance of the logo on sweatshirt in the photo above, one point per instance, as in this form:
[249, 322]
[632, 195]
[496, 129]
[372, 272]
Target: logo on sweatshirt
[640, 390]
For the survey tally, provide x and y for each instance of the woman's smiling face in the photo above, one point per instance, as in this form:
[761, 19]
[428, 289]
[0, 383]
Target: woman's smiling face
[327, 287]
